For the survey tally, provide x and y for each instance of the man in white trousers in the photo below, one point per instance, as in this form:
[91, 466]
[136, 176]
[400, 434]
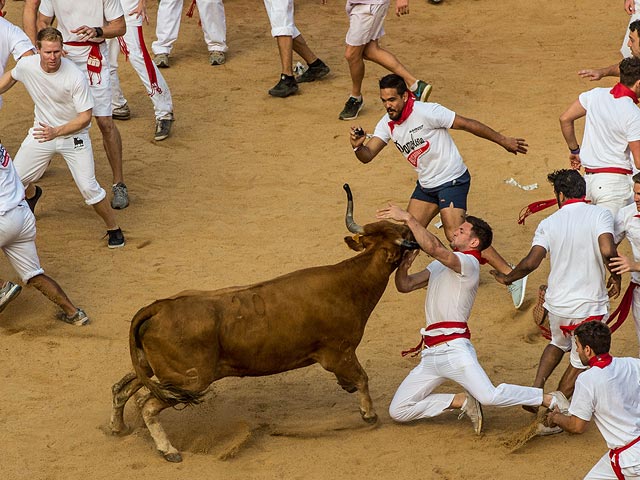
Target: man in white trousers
[133, 46]
[214, 28]
[448, 354]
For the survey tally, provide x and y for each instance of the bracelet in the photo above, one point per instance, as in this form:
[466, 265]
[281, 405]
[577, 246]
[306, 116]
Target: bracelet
[575, 151]
[99, 32]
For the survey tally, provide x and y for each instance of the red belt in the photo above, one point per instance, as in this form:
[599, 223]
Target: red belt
[432, 341]
[614, 457]
[94, 60]
[621, 171]
[568, 329]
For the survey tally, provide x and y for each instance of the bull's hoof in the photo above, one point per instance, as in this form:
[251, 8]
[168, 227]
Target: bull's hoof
[172, 457]
[349, 388]
[120, 432]
[370, 420]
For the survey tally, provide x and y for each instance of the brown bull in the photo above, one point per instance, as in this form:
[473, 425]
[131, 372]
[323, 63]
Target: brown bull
[314, 315]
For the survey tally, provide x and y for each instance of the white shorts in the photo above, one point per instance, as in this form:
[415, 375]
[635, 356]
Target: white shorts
[636, 311]
[100, 88]
[366, 22]
[280, 14]
[17, 239]
[609, 190]
[34, 157]
[566, 342]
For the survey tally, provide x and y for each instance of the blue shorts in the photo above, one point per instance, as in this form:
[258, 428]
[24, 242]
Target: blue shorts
[455, 192]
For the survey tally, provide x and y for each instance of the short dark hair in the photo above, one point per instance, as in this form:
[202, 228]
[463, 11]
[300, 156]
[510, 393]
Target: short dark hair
[594, 334]
[393, 81]
[634, 26]
[48, 34]
[629, 71]
[568, 182]
[481, 230]
[636, 177]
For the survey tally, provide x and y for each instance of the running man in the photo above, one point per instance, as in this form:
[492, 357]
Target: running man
[420, 131]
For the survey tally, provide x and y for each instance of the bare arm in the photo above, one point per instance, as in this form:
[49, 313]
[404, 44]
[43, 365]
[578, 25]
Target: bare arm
[43, 21]
[45, 133]
[594, 74]
[609, 251]
[427, 241]
[569, 423]
[406, 283]
[112, 29]
[635, 151]
[365, 153]
[140, 11]
[567, 126]
[510, 144]
[29, 19]
[6, 82]
[527, 265]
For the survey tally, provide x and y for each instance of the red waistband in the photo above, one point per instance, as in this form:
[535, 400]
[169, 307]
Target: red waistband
[83, 44]
[614, 457]
[568, 329]
[431, 341]
[621, 171]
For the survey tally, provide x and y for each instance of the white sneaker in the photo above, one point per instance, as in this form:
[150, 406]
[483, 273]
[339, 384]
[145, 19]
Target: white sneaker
[8, 292]
[472, 409]
[543, 430]
[517, 289]
[560, 401]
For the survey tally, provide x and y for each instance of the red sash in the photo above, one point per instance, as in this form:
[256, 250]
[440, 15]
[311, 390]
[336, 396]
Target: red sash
[621, 171]
[614, 457]
[544, 204]
[94, 60]
[622, 312]
[568, 329]
[431, 341]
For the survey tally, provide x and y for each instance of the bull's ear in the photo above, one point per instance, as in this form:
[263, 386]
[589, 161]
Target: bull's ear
[354, 243]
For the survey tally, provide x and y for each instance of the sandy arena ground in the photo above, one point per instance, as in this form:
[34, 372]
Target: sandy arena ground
[249, 187]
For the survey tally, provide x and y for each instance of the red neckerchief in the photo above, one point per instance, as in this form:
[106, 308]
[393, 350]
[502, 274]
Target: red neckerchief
[601, 360]
[620, 90]
[406, 111]
[474, 253]
[575, 200]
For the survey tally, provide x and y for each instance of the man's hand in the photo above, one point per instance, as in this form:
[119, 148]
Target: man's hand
[614, 286]
[393, 212]
[592, 74]
[629, 7]
[44, 133]
[500, 277]
[402, 7]
[140, 11]
[574, 161]
[407, 258]
[86, 34]
[623, 264]
[357, 136]
[515, 145]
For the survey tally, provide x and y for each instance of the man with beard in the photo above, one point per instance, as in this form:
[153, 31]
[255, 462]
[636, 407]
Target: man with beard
[421, 132]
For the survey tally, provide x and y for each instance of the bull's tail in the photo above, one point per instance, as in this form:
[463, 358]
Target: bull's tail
[166, 392]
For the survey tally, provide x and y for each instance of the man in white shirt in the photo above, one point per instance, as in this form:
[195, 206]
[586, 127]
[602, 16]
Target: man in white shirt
[627, 224]
[448, 354]
[608, 392]
[62, 114]
[17, 240]
[85, 25]
[420, 131]
[611, 137]
[577, 237]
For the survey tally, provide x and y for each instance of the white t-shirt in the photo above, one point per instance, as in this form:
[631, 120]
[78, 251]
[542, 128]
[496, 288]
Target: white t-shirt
[11, 189]
[59, 96]
[576, 284]
[13, 41]
[626, 224]
[72, 14]
[451, 295]
[424, 140]
[612, 395]
[611, 123]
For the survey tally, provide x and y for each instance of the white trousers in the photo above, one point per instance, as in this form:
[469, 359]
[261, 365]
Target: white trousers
[34, 157]
[609, 190]
[214, 25]
[604, 471]
[280, 13]
[635, 308]
[18, 241]
[457, 361]
[162, 101]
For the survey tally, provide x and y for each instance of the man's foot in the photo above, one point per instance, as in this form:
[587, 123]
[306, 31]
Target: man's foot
[217, 57]
[121, 113]
[79, 318]
[33, 200]
[8, 292]
[163, 129]
[314, 73]
[161, 60]
[116, 238]
[472, 409]
[543, 430]
[120, 198]
[285, 87]
[517, 289]
[423, 91]
[351, 109]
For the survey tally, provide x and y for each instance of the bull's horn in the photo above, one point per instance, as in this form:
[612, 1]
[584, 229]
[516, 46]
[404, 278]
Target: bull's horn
[352, 226]
[408, 244]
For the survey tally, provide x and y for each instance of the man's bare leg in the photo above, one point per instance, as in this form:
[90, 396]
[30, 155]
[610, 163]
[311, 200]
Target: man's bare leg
[112, 143]
[301, 48]
[354, 57]
[285, 49]
[50, 289]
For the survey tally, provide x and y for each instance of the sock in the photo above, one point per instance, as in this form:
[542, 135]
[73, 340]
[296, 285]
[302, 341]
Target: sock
[414, 87]
[317, 63]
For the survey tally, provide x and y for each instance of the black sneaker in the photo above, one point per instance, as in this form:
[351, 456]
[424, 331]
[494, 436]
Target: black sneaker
[33, 200]
[285, 87]
[351, 109]
[163, 129]
[312, 74]
[116, 238]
